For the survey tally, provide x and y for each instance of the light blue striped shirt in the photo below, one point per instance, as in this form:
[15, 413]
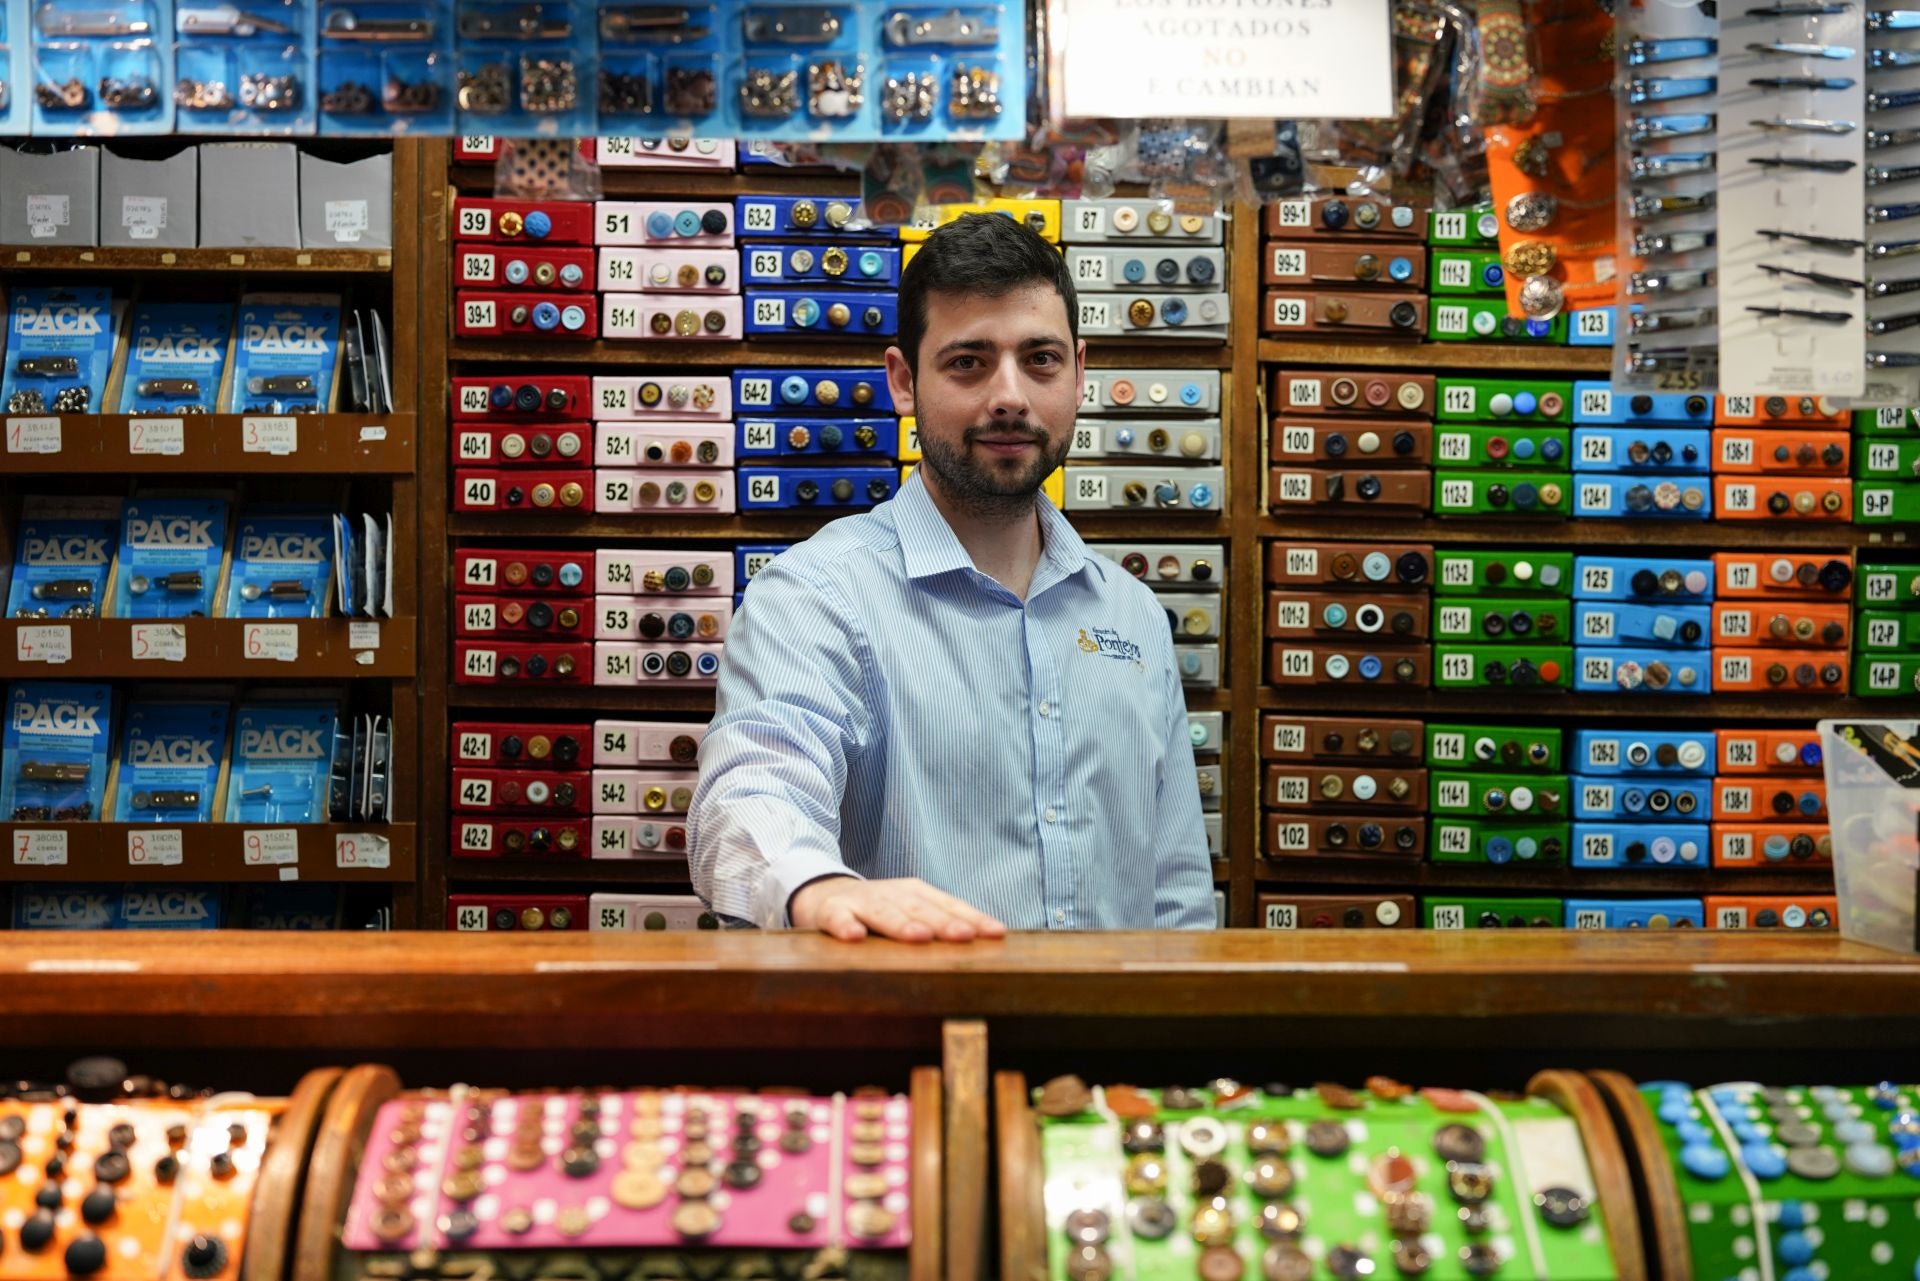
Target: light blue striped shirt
[887, 709]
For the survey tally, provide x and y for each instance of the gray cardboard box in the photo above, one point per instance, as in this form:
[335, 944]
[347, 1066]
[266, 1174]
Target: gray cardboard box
[346, 205]
[249, 195]
[50, 199]
[150, 204]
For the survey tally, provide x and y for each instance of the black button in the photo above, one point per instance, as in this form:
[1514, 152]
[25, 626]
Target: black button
[221, 1167]
[1403, 315]
[1490, 921]
[713, 222]
[1402, 623]
[1641, 404]
[1336, 486]
[1336, 446]
[515, 496]
[556, 400]
[1493, 624]
[86, 1255]
[1404, 443]
[11, 1128]
[1337, 835]
[1404, 838]
[166, 1170]
[1645, 583]
[112, 1167]
[1690, 631]
[1371, 836]
[9, 1158]
[536, 665]
[1411, 568]
[48, 1197]
[98, 1206]
[1521, 624]
[527, 398]
[121, 1136]
[541, 576]
[1636, 851]
[36, 1234]
[1368, 488]
[1353, 918]
[1766, 918]
[1497, 495]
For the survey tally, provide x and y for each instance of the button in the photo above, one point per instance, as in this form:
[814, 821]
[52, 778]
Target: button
[1052, 815]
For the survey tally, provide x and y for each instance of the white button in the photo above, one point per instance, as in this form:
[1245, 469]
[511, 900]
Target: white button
[1060, 916]
[1051, 816]
[1045, 707]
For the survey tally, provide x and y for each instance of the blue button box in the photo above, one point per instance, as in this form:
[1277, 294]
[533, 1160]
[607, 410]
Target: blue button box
[827, 313]
[750, 558]
[1642, 671]
[1590, 327]
[786, 391]
[1653, 449]
[1618, 496]
[1642, 846]
[854, 263]
[1642, 579]
[811, 437]
[1634, 914]
[1648, 752]
[1605, 623]
[803, 215]
[1641, 800]
[1599, 404]
[788, 488]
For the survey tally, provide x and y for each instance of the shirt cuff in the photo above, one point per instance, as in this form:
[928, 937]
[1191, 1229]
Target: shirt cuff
[784, 877]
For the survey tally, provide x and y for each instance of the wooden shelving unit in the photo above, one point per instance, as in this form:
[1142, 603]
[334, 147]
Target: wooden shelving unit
[223, 853]
[218, 444]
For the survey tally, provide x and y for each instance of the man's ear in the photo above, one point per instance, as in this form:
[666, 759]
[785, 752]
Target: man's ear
[900, 381]
[1080, 359]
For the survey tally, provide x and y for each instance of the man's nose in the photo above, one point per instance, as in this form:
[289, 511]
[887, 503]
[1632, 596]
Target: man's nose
[1008, 392]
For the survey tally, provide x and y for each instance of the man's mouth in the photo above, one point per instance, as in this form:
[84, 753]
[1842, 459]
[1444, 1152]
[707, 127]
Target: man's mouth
[1007, 445]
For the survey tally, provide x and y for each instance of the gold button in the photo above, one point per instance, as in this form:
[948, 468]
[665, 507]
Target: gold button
[543, 274]
[805, 213]
[689, 276]
[661, 323]
[834, 261]
[538, 746]
[1159, 222]
[1334, 310]
[572, 494]
[838, 315]
[704, 491]
[686, 323]
[1332, 786]
[869, 1155]
[1830, 502]
[866, 1186]
[695, 1220]
[567, 838]
[543, 495]
[1213, 1223]
[655, 799]
[1158, 440]
[1140, 312]
[572, 1221]
[1531, 258]
[1135, 493]
[694, 1184]
[635, 1190]
[1146, 1175]
[1551, 495]
[828, 393]
[869, 1221]
[1197, 622]
[1192, 224]
[862, 394]
[517, 1221]
[511, 224]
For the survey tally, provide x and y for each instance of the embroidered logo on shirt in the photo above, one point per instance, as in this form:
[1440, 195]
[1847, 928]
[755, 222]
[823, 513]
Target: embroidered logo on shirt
[1104, 640]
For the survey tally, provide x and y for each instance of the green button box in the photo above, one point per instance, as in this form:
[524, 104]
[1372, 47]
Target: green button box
[1500, 400]
[1480, 840]
[1520, 668]
[1462, 319]
[1517, 796]
[1894, 458]
[1521, 447]
[1881, 631]
[1886, 675]
[1886, 586]
[1510, 573]
[1886, 420]
[1449, 913]
[1465, 271]
[1519, 620]
[1543, 495]
[1494, 747]
[1476, 227]
[1880, 502]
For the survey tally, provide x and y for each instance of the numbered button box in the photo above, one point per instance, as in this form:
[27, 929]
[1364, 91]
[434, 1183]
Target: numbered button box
[517, 445]
[492, 569]
[1500, 842]
[1042, 216]
[1886, 675]
[1643, 670]
[1762, 846]
[1888, 586]
[698, 493]
[1504, 400]
[1780, 411]
[1301, 313]
[1287, 737]
[1200, 316]
[655, 663]
[517, 745]
[1617, 496]
[675, 618]
[1336, 911]
[546, 267]
[558, 838]
[1084, 222]
[1142, 268]
[1882, 632]
[1194, 439]
[1345, 786]
[1494, 747]
[1339, 491]
[1798, 498]
[804, 216]
[476, 147]
[1316, 663]
[678, 223]
[1639, 800]
[622, 743]
[750, 558]
[1347, 216]
[1502, 796]
[1809, 576]
[675, 396]
[658, 318]
[1789, 453]
[522, 791]
[1466, 271]
[1531, 668]
[1364, 395]
[1502, 913]
[1477, 227]
[1780, 671]
[670, 271]
[485, 662]
[1212, 784]
[1379, 566]
[525, 315]
[1791, 800]
[521, 491]
[663, 444]
[1642, 846]
[1641, 579]
[524, 912]
[1768, 751]
[1640, 451]
[1642, 626]
[769, 489]
[1462, 319]
[1635, 914]
[620, 837]
[1198, 665]
[1462, 572]
[1516, 447]
[1889, 459]
[536, 618]
[1493, 619]
[845, 391]
[1590, 326]
[645, 571]
[1346, 615]
[1386, 834]
[1771, 912]
[1207, 732]
[1192, 615]
[545, 397]
[1597, 404]
[1169, 566]
[812, 437]
[699, 154]
[1384, 442]
[548, 222]
[650, 912]
[854, 263]
[1394, 265]
[1152, 391]
[1651, 753]
[1788, 624]
[1493, 493]
[1188, 489]
[1882, 504]
[1871, 421]
[828, 313]
[638, 791]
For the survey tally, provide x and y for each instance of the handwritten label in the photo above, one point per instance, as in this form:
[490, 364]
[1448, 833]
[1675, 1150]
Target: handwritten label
[159, 642]
[269, 435]
[144, 217]
[263, 847]
[43, 644]
[363, 636]
[346, 220]
[155, 847]
[33, 435]
[156, 435]
[277, 642]
[367, 850]
[372, 433]
[39, 848]
[47, 214]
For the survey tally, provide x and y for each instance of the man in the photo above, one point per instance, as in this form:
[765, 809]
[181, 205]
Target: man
[947, 717]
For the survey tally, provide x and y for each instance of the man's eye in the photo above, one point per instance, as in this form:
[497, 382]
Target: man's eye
[963, 362]
[1047, 357]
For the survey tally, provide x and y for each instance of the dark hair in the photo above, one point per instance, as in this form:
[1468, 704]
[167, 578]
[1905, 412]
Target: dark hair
[978, 253]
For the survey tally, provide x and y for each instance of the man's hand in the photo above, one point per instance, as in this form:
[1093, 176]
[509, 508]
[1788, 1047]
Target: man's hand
[907, 909]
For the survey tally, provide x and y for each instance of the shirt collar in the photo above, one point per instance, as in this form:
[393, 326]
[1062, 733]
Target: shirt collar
[928, 544]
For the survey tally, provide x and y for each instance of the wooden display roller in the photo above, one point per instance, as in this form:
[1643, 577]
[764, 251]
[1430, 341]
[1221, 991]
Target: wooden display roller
[1612, 1169]
[335, 1163]
[282, 1178]
[1023, 1208]
[1655, 1189]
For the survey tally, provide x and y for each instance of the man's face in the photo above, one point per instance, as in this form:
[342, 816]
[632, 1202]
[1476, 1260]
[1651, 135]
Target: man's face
[999, 383]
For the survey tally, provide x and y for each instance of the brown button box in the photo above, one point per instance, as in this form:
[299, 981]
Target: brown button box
[1372, 442]
[1313, 663]
[1348, 217]
[1391, 618]
[1294, 313]
[1376, 566]
[1313, 491]
[1357, 392]
[1345, 787]
[1388, 835]
[1336, 911]
[1286, 737]
[1395, 264]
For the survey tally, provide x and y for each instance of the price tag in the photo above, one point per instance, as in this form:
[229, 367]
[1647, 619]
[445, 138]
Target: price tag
[264, 847]
[155, 847]
[278, 642]
[156, 435]
[269, 435]
[362, 850]
[347, 220]
[39, 849]
[43, 644]
[46, 214]
[144, 217]
[33, 435]
[161, 642]
[363, 636]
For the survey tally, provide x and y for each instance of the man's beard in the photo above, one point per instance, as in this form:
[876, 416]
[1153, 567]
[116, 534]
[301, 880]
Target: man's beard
[987, 487]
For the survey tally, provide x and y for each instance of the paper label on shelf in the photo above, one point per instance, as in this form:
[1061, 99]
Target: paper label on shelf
[289, 873]
[47, 214]
[263, 847]
[43, 644]
[33, 435]
[372, 432]
[155, 847]
[156, 435]
[39, 848]
[346, 220]
[144, 217]
[161, 642]
[362, 850]
[278, 642]
[269, 435]
[363, 635]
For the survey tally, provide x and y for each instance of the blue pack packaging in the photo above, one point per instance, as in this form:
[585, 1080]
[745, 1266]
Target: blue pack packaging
[171, 550]
[103, 68]
[287, 907]
[282, 563]
[55, 751]
[170, 907]
[66, 907]
[64, 557]
[176, 357]
[387, 70]
[284, 359]
[60, 342]
[282, 760]
[245, 69]
[526, 68]
[170, 757]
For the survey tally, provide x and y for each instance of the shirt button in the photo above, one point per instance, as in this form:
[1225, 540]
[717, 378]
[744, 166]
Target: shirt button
[1051, 815]
[1046, 708]
[1060, 916]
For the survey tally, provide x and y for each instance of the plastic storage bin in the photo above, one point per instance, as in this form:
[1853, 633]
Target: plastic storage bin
[1873, 797]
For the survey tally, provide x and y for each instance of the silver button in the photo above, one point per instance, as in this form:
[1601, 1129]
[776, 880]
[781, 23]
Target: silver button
[1051, 816]
[1046, 708]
